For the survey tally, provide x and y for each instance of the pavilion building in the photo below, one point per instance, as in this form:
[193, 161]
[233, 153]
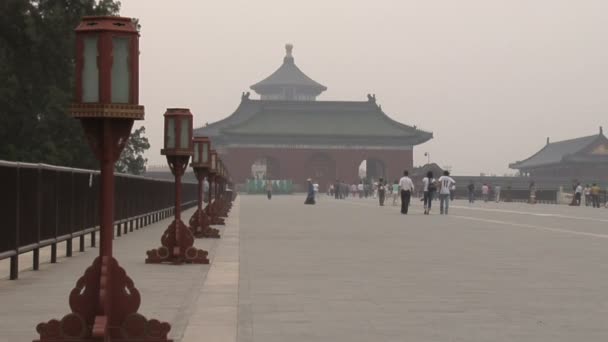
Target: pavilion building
[585, 159]
[288, 134]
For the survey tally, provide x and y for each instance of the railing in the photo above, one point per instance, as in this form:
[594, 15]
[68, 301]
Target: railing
[512, 195]
[43, 205]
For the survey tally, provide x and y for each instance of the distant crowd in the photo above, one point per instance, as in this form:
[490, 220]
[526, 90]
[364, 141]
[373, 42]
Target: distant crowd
[442, 189]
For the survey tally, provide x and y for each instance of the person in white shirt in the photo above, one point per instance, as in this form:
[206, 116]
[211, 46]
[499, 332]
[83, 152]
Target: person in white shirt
[485, 192]
[578, 192]
[428, 188]
[445, 183]
[407, 187]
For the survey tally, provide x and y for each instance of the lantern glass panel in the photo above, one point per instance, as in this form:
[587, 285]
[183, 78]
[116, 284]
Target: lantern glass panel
[185, 133]
[195, 158]
[170, 133]
[90, 73]
[120, 70]
[205, 153]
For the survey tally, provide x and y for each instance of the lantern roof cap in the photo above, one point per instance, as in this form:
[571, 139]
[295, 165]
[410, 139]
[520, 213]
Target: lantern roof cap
[107, 23]
[178, 111]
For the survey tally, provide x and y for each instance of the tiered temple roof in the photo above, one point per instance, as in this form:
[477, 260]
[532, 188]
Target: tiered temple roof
[589, 149]
[288, 82]
[289, 115]
[312, 123]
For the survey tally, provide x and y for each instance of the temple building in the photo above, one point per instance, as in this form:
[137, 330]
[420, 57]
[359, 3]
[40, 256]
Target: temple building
[288, 134]
[583, 158]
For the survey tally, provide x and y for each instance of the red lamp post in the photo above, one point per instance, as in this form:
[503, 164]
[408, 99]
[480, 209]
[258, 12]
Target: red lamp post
[177, 241]
[226, 202]
[213, 176]
[104, 302]
[201, 162]
[222, 207]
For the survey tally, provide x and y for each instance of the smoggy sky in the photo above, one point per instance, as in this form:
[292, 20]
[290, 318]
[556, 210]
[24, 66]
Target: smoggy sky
[491, 79]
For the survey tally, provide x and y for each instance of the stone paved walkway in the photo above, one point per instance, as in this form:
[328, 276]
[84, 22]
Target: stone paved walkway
[352, 271]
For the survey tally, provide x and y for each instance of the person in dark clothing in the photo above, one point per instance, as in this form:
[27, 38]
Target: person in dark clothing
[337, 189]
[471, 189]
[381, 191]
[269, 189]
[310, 198]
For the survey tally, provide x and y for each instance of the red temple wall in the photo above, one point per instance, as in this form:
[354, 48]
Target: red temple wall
[300, 164]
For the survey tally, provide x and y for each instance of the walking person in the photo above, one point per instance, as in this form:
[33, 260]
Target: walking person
[395, 192]
[381, 191]
[445, 183]
[428, 189]
[471, 189]
[310, 196]
[269, 189]
[407, 187]
[595, 195]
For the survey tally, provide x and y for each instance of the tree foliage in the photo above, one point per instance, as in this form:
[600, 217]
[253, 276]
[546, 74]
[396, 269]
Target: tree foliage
[37, 72]
[132, 157]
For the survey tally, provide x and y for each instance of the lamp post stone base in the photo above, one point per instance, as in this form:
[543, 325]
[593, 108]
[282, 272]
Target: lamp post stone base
[199, 226]
[177, 247]
[104, 307]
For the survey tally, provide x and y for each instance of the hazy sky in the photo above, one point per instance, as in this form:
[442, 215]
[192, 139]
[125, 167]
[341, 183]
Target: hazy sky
[491, 79]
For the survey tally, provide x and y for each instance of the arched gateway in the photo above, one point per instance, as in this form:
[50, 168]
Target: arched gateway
[323, 140]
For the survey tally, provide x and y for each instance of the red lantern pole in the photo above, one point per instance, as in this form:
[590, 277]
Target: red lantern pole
[199, 222]
[105, 301]
[177, 241]
[212, 209]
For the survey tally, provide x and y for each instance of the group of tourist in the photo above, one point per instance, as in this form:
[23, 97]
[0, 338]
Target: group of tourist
[442, 189]
[589, 194]
[403, 188]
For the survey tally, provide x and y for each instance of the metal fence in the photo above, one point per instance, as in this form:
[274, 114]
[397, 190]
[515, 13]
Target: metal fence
[43, 205]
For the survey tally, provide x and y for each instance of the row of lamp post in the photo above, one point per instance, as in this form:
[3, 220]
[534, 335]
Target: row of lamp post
[104, 303]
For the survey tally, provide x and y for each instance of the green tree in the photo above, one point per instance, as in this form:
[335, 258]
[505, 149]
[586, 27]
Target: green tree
[132, 157]
[37, 72]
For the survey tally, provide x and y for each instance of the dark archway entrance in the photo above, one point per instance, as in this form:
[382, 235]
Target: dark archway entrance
[374, 170]
[322, 169]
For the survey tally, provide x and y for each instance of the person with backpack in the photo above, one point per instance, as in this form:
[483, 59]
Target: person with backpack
[428, 188]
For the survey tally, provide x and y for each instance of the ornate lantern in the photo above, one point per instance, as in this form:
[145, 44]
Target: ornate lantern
[177, 241]
[213, 189]
[105, 301]
[213, 169]
[178, 133]
[201, 157]
[201, 162]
